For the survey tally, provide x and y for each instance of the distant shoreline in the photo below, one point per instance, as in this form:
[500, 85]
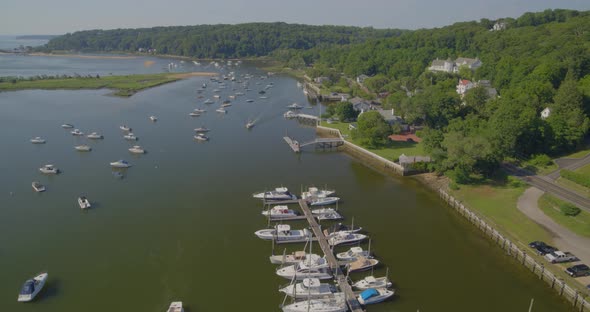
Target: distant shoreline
[84, 56]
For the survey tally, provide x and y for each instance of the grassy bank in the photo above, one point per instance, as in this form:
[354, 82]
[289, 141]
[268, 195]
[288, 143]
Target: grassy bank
[391, 151]
[579, 224]
[123, 86]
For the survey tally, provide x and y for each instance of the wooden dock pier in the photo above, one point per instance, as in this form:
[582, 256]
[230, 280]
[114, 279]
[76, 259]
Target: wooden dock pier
[341, 279]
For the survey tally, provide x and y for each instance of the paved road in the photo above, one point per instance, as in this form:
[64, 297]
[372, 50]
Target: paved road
[547, 185]
[569, 164]
[563, 238]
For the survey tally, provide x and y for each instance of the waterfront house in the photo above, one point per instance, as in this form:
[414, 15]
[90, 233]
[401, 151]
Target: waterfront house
[361, 105]
[392, 119]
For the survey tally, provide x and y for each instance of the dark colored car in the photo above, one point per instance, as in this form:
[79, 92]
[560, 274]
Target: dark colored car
[542, 248]
[578, 270]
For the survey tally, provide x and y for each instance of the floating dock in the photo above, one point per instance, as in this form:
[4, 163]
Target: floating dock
[351, 300]
[293, 144]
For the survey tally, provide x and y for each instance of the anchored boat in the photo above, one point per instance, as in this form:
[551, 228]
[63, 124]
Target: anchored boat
[136, 149]
[175, 306]
[352, 254]
[374, 295]
[280, 213]
[38, 187]
[296, 257]
[120, 164]
[314, 192]
[37, 140]
[279, 193]
[301, 270]
[32, 287]
[343, 238]
[83, 202]
[310, 288]
[321, 201]
[361, 264]
[335, 304]
[372, 282]
[83, 148]
[49, 169]
[95, 136]
[283, 233]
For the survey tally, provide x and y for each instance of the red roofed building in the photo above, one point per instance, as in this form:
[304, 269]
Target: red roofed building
[463, 86]
[405, 137]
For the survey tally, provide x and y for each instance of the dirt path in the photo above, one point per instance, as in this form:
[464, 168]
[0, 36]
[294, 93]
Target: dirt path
[563, 238]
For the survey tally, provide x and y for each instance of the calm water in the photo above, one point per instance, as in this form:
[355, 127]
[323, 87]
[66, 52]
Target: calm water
[180, 225]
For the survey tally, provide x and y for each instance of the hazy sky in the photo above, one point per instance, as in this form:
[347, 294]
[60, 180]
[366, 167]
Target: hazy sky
[61, 16]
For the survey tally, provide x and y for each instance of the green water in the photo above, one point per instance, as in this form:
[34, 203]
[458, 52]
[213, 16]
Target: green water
[180, 225]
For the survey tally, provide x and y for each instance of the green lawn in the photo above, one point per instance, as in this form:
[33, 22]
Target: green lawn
[582, 190]
[579, 154]
[579, 224]
[123, 85]
[392, 151]
[584, 170]
[497, 203]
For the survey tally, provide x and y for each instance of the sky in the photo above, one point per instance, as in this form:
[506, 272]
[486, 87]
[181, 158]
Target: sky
[63, 16]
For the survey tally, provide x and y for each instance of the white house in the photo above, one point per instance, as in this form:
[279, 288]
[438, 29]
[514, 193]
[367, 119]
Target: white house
[545, 113]
[498, 26]
[469, 62]
[450, 66]
[442, 65]
[463, 86]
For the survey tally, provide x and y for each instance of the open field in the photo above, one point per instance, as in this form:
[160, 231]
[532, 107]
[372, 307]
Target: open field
[579, 224]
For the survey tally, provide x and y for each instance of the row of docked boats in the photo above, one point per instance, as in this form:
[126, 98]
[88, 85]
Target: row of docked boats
[310, 274]
[313, 196]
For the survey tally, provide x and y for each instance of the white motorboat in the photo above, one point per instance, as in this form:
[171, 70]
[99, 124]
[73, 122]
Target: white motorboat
[263, 97]
[314, 192]
[120, 164]
[67, 126]
[226, 105]
[49, 169]
[199, 111]
[301, 270]
[201, 137]
[372, 282]
[352, 254]
[326, 214]
[309, 288]
[320, 201]
[250, 124]
[37, 140]
[336, 304]
[221, 110]
[202, 129]
[343, 238]
[136, 149]
[38, 187]
[216, 90]
[361, 264]
[279, 193]
[95, 136]
[374, 295]
[216, 96]
[340, 227]
[77, 132]
[125, 128]
[175, 306]
[208, 101]
[290, 114]
[249, 101]
[83, 148]
[279, 213]
[283, 233]
[153, 118]
[296, 257]
[83, 202]
[32, 287]
[194, 114]
[130, 137]
[294, 106]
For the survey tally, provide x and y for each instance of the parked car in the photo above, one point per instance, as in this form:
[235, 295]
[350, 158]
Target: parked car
[578, 270]
[541, 248]
[560, 256]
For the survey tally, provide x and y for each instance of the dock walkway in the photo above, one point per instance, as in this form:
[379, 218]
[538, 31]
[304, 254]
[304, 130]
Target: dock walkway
[351, 300]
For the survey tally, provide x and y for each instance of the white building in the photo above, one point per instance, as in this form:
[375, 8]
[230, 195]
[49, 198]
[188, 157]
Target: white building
[498, 26]
[545, 113]
[450, 66]
[463, 86]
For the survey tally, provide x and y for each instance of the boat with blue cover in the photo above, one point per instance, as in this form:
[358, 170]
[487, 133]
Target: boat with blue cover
[374, 295]
[32, 287]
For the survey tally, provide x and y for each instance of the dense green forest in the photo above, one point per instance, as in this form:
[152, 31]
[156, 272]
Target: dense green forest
[217, 41]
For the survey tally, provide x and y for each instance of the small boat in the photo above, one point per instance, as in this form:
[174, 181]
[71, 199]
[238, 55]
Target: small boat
[136, 149]
[290, 114]
[329, 216]
[83, 202]
[226, 105]
[279, 213]
[232, 97]
[283, 233]
[130, 137]
[194, 114]
[202, 129]
[198, 110]
[329, 304]
[38, 187]
[372, 282]
[49, 169]
[32, 287]
[343, 238]
[77, 132]
[95, 136]
[261, 92]
[83, 148]
[314, 192]
[320, 201]
[208, 101]
[239, 93]
[201, 137]
[361, 264]
[216, 96]
[352, 254]
[37, 140]
[309, 288]
[249, 100]
[294, 106]
[322, 211]
[120, 164]
[340, 227]
[67, 126]
[279, 193]
[374, 295]
[301, 270]
[216, 90]
[175, 306]
[250, 124]
[221, 110]
[197, 63]
[295, 258]
[153, 118]
[263, 97]
[125, 128]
